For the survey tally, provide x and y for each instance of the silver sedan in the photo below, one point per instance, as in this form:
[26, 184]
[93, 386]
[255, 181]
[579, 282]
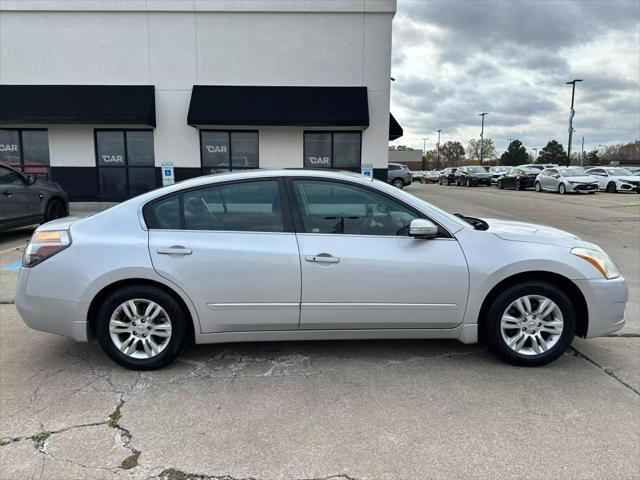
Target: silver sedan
[310, 255]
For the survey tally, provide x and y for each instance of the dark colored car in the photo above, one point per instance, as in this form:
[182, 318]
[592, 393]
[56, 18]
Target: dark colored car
[26, 201]
[472, 176]
[518, 178]
[447, 176]
[497, 172]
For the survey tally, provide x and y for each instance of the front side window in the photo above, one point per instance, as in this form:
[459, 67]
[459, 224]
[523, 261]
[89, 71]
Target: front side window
[7, 177]
[222, 151]
[240, 207]
[125, 161]
[338, 208]
[26, 150]
[339, 150]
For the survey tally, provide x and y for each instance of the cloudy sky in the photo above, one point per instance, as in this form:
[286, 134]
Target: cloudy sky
[453, 59]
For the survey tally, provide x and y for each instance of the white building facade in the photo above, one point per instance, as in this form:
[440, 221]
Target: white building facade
[99, 94]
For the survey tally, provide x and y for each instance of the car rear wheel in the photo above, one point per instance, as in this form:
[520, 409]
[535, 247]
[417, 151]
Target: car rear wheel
[398, 183]
[55, 209]
[562, 189]
[530, 324]
[141, 327]
[538, 187]
[468, 182]
[611, 187]
[518, 185]
[499, 184]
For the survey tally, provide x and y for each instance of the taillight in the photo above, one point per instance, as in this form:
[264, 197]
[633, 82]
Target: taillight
[45, 244]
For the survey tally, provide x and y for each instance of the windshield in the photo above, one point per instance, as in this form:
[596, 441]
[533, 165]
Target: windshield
[431, 206]
[573, 172]
[476, 170]
[501, 169]
[619, 171]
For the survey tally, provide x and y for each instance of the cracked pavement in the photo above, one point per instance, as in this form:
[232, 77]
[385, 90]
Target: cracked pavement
[316, 410]
[345, 410]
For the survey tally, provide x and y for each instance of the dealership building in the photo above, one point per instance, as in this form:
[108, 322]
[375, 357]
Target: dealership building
[107, 96]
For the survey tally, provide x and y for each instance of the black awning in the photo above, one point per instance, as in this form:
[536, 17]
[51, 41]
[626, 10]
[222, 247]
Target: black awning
[282, 106]
[78, 104]
[395, 130]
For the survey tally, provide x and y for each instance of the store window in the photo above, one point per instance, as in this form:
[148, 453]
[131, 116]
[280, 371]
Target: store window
[340, 150]
[222, 151]
[26, 150]
[125, 162]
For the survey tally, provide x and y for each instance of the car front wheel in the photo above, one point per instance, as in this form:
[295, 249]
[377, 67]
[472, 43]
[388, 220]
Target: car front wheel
[611, 187]
[398, 183]
[538, 187]
[562, 189]
[499, 184]
[141, 327]
[55, 209]
[530, 324]
[518, 185]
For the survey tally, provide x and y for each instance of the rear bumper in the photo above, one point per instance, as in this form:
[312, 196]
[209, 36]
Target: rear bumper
[52, 315]
[606, 303]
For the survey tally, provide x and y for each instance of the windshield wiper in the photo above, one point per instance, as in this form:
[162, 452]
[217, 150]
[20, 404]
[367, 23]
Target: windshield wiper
[476, 223]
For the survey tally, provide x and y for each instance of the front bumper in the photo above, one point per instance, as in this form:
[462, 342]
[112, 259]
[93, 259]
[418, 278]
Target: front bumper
[582, 187]
[606, 302]
[52, 315]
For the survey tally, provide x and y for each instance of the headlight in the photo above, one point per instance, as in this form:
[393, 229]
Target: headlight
[44, 245]
[600, 260]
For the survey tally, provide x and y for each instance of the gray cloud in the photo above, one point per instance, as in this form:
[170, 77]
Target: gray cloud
[454, 59]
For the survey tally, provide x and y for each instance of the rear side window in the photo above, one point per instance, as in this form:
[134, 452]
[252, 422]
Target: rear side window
[241, 207]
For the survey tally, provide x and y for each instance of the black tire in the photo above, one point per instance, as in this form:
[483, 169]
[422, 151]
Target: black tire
[55, 209]
[518, 185]
[538, 187]
[492, 331]
[611, 187]
[178, 318]
[499, 184]
[468, 182]
[562, 189]
[398, 183]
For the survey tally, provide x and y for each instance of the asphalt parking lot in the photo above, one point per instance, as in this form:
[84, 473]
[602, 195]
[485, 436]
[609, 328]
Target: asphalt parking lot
[336, 410]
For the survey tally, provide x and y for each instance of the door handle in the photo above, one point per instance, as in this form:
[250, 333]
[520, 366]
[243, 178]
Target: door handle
[7, 193]
[175, 250]
[322, 258]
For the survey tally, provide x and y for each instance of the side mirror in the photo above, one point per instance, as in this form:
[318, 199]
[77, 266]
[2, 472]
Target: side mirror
[31, 179]
[421, 228]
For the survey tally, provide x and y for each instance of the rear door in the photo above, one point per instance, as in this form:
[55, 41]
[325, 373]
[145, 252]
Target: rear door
[231, 248]
[361, 270]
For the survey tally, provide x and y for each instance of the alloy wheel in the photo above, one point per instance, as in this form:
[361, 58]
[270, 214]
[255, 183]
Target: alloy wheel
[140, 328]
[562, 189]
[531, 325]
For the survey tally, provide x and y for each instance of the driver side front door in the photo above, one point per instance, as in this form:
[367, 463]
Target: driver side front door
[361, 270]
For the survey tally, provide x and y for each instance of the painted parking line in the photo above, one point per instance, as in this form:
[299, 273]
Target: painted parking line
[12, 249]
[13, 266]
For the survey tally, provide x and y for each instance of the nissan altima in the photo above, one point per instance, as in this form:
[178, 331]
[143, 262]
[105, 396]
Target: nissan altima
[310, 255]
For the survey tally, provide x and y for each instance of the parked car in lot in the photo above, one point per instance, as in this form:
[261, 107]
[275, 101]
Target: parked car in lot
[519, 178]
[566, 179]
[310, 255]
[472, 176]
[432, 176]
[538, 166]
[497, 172]
[615, 179]
[29, 201]
[447, 176]
[399, 175]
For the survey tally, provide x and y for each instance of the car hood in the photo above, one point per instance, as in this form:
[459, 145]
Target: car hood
[626, 178]
[532, 233]
[582, 179]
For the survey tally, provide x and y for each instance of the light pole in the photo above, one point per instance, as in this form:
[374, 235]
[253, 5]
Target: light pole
[438, 152]
[424, 152]
[482, 136]
[571, 114]
[535, 149]
[582, 154]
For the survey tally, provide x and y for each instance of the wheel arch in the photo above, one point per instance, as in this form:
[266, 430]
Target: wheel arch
[108, 289]
[56, 197]
[570, 288]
